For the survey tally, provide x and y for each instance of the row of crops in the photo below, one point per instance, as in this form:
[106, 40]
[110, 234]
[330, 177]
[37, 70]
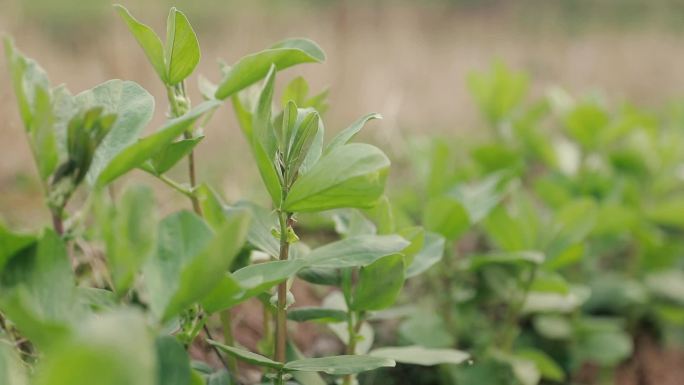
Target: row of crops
[524, 253]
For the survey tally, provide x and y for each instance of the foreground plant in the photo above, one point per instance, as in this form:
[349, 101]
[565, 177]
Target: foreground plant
[132, 317]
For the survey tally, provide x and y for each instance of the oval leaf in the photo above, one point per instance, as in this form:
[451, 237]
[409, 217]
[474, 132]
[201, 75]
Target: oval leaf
[182, 47]
[339, 365]
[136, 154]
[352, 175]
[246, 355]
[418, 355]
[252, 68]
[148, 40]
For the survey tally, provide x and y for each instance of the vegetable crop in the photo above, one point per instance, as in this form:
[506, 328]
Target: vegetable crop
[519, 254]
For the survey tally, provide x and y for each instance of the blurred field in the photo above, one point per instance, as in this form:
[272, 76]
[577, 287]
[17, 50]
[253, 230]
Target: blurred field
[406, 60]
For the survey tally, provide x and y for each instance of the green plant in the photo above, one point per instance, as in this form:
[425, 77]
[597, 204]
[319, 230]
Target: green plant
[551, 229]
[131, 317]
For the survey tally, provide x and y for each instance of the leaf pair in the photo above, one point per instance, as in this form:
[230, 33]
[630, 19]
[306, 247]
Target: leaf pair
[153, 147]
[174, 61]
[255, 279]
[335, 365]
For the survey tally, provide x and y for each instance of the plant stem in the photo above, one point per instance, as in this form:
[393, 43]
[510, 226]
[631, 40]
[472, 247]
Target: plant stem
[351, 346]
[57, 222]
[177, 110]
[281, 314]
[193, 179]
[446, 278]
[511, 321]
[229, 339]
[175, 185]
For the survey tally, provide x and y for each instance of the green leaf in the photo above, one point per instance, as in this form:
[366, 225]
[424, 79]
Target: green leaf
[352, 175]
[11, 243]
[133, 106]
[488, 371]
[667, 284]
[318, 314]
[606, 347]
[263, 222]
[136, 154]
[252, 68]
[575, 221]
[446, 216]
[109, 349]
[296, 91]
[339, 365]
[305, 132]
[317, 276]
[379, 284]
[27, 76]
[32, 90]
[148, 40]
[213, 210]
[12, 370]
[426, 328]
[549, 282]
[303, 378]
[263, 141]
[249, 282]
[42, 134]
[173, 365]
[418, 355]
[257, 278]
[191, 260]
[260, 277]
[38, 291]
[348, 133]
[181, 236]
[498, 92]
[554, 327]
[182, 48]
[667, 211]
[129, 232]
[352, 222]
[174, 153]
[247, 356]
[480, 197]
[585, 123]
[355, 251]
[476, 262]
[226, 294]
[430, 254]
[548, 368]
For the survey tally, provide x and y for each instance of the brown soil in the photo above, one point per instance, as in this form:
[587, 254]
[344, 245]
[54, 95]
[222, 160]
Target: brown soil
[652, 365]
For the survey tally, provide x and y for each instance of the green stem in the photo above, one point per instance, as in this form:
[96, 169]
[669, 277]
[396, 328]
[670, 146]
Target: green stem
[354, 319]
[57, 222]
[176, 186]
[508, 333]
[229, 339]
[281, 314]
[446, 279]
[177, 110]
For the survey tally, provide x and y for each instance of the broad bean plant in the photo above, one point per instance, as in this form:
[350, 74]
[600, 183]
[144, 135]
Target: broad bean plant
[113, 293]
[562, 220]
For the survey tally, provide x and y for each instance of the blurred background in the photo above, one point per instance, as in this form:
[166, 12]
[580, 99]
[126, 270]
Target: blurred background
[408, 60]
